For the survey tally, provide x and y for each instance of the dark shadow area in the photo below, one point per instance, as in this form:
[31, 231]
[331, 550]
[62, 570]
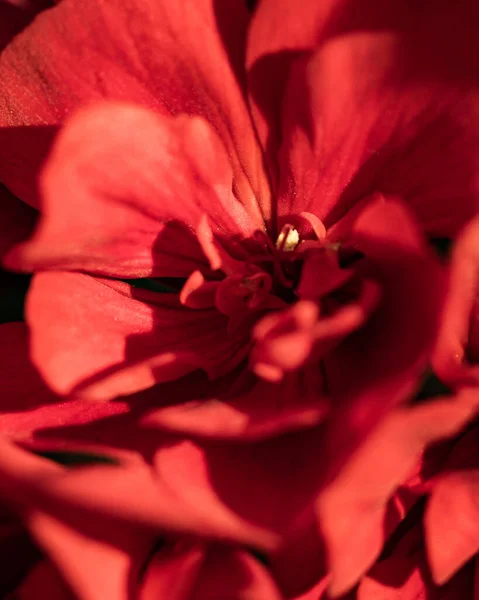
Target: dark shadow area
[23, 151]
[14, 18]
[13, 290]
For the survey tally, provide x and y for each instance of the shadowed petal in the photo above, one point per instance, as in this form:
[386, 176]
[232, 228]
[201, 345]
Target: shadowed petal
[101, 338]
[132, 178]
[357, 499]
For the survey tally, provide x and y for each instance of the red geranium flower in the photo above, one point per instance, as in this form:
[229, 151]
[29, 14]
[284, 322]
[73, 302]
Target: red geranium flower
[273, 183]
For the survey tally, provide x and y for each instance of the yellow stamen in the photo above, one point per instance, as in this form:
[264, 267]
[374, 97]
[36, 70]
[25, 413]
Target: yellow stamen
[288, 239]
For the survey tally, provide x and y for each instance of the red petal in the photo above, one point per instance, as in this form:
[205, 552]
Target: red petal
[352, 509]
[16, 220]
[147, 52]
[452, 523]
[381, 105]
[27, 404]
[194, 573]
[172, 573]
[42, 577]
[234, 574]
[124, 170]
[16, 14]
[247, 477]
[456, 336]
[114, 501]
[108, 339]
[386, 359]
[94, 568]
[263, 410]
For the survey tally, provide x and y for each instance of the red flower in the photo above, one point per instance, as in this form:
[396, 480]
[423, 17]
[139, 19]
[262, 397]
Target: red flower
[274, 181]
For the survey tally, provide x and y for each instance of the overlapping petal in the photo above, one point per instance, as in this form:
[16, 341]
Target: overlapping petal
[357, 500]
[27, 405]
[125, 189]
[387, 358]
[455, 354]
[16, 14]
[16, 220]
[114, 339]
[378, 103]
[194, 572]
[257, 410]
[145, 52]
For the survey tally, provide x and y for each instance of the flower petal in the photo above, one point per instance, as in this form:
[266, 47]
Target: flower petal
[387, 358]
[147, 52]
[247, 477]
[43, 577]
[452, 523]
[263, 410]
[382, 104]
[115, 502]
[236, 574]
[16, 14]
[196, 573]
[357, 499]
[454, 357]
[107, 339]
[16, 220]
[95, 569]
[136, 183]
[27, 404]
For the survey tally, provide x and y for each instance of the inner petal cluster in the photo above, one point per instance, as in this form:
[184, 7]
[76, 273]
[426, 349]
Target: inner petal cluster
[296, 297]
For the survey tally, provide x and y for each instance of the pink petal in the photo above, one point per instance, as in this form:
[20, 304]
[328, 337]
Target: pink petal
[124, 170]
[352, 509]
[146, 52]
[452, 523]
[108, 339]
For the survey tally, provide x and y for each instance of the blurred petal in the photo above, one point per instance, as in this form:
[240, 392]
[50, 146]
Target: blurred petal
[16, 14]
[383, 365]
[17, 220]
[196, 573]
[356, 500]
[455, 355]
[263, 410]
[452, 523]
